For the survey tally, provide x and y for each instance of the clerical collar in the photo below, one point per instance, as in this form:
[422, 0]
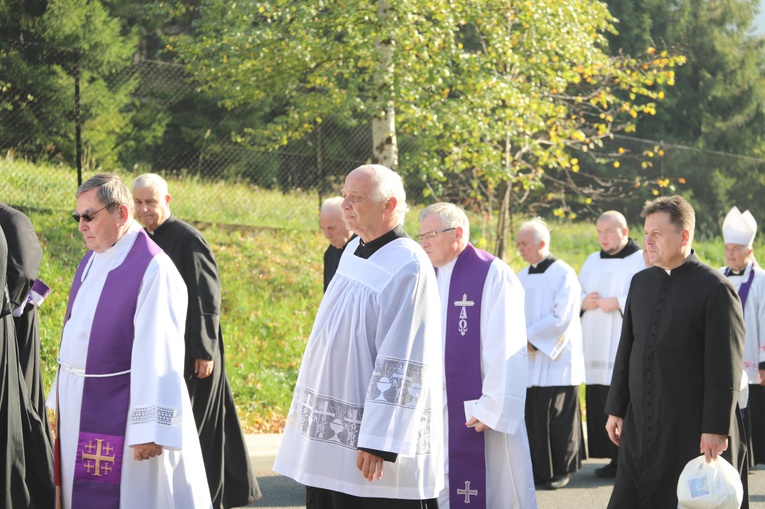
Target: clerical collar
[682, 265]
[159, 228]
[628, 249]
[543, 265]
[732, 272]
[365, 250]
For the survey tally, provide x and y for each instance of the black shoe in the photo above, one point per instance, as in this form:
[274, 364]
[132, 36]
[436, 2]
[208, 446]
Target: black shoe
[608, 471]
[557, 482]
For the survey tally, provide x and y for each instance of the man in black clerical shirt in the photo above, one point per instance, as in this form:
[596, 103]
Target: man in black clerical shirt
[227, 462]
[678, 367]
[337, 233]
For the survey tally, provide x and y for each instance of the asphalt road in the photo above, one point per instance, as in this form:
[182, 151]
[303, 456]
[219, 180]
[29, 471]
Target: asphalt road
[585, 491]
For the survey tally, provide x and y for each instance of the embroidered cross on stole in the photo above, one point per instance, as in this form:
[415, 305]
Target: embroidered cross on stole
[467, 462]
[106, 398]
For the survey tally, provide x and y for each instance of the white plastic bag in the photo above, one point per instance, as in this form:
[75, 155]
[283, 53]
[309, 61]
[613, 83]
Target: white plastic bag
[715, 485]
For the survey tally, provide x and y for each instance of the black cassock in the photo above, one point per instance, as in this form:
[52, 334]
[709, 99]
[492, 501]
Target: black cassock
[227, 462]
[24, 259]
[676, 376]
[26, 472]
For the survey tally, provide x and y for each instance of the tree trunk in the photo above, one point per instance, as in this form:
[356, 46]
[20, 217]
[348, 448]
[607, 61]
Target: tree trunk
[384, 145]
[504, 190]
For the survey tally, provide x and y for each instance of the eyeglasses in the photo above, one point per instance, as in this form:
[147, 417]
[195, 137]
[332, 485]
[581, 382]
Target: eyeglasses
[87, 217]
[423, 236]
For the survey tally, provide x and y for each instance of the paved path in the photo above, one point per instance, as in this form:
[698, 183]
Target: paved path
[586, 490]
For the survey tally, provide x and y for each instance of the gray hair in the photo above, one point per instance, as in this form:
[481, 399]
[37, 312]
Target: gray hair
[111, 191]
[334, 203]
[539, 227]
[451, 216]
[388, 185]
[151, 181]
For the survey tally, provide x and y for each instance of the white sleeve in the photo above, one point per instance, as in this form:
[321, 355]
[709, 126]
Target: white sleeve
[503, 351]
[157, 387]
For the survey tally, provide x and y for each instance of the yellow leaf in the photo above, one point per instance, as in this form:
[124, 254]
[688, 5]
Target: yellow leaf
[681, 180]
[617, 164]
[655, 192]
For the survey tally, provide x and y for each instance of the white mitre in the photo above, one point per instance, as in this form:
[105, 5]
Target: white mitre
[739, 228]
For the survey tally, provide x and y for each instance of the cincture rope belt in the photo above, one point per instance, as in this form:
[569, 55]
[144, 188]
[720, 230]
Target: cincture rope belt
[81, 371]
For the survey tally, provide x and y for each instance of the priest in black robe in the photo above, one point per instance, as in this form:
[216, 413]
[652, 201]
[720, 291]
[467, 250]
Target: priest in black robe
[336, 232]
[676, 377]
[24, 259]
[26, 471]
[227, 463]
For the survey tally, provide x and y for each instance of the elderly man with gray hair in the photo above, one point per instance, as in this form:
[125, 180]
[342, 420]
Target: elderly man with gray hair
[364, 428]
[336, 232]
[556, 360]
[227, 463]
[486, 446]
[125, 431]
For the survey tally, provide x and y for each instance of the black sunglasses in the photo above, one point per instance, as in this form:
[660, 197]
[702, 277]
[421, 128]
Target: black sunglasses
[87, 217]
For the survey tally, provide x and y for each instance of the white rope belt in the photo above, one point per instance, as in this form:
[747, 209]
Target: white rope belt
[81, 371]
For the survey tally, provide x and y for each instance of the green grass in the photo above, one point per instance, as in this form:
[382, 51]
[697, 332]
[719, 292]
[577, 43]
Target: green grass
[271, 273]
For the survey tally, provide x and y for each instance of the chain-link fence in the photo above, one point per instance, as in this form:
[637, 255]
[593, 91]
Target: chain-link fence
[80, 115]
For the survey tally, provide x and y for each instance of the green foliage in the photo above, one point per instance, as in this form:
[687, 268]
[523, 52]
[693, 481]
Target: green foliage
[718, 97]
[75, 28]
[271, 278]
[505, 90]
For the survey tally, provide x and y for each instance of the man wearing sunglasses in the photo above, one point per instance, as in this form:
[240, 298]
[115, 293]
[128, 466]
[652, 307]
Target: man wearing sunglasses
[227, 463]
[487, 450]
[125, 433]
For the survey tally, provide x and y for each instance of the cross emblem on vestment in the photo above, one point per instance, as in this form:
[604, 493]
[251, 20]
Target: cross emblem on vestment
[462, 324]
[99, 456]
[467, 492]
[464, 302]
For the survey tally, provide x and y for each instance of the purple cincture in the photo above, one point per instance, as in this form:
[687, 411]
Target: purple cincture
[467, 462]
[105, 400]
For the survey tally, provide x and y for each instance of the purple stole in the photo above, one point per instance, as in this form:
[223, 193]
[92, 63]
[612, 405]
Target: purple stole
[467, 461]
[743, 291]
[106, 400]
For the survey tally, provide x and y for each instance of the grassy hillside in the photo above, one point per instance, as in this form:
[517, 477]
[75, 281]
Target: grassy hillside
[271, 276]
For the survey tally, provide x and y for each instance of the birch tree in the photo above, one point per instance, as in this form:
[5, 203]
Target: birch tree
[496, 93]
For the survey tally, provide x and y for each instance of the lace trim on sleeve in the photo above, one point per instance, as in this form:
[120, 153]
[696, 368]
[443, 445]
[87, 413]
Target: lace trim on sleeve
[162, 416]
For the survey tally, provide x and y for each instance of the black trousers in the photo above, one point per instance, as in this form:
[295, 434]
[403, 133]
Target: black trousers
[319, 498]
[554, 425]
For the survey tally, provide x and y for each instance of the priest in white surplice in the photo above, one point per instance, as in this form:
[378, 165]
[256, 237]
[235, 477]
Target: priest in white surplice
[556, 360]
[365, 427]
[605, 278]
[739, 231]
[485, 368]
[126, 433]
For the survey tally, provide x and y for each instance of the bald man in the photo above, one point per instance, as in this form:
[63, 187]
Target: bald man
[605, 279]
[336, 232]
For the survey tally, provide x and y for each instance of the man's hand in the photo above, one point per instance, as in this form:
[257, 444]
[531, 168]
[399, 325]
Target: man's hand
[479, 426]
[146, 451]
[608, 304]
[614, 429]
[761, 376]
[203, 368]
[369, 464]
[711, 445]
[590, 301]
